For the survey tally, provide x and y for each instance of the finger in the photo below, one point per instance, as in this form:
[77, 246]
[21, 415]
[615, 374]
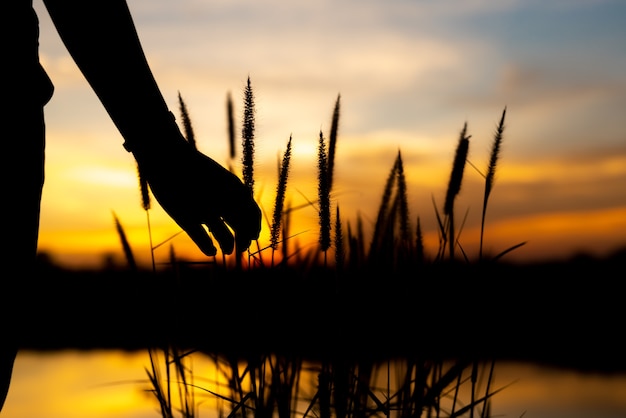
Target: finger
[243, 242]
[246, 221]
[223, 235]
[202, 239]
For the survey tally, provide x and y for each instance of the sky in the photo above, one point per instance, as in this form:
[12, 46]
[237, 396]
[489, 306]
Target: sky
[409, 74]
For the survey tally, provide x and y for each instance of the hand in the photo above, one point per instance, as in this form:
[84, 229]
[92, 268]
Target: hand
[195, 191]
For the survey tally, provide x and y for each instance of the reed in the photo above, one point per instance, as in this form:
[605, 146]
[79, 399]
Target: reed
[391, 244]
[490, 176]
[383, 209]
[128, 252]
[323, 193]
[230, 119]
[353, 256]
[285, 386]
[279, 201]
[419, 243]
[454, 186]
[248, 137]
[146, 204]
[339, 244]
[186, 121]
[332, 141]
[175, 391]
[405, 245]
[285, 231]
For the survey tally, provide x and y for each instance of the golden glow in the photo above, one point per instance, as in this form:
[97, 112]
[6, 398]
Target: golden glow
[570, 171]
[554, 235]
[566, 225]
[103, 176]
[112, 384]
[78, 384]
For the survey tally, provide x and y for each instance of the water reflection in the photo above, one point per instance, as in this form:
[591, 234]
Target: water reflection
[114, 384]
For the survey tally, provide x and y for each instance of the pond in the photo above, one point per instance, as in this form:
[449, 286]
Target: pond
[114, 384]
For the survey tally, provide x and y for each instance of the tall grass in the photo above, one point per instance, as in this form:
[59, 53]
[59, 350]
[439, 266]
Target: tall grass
[186, 121]
[288, 387]
[268, 385]
[454, 187]
[279, 202]
[490, 176]
[247, 134]
[323, 194]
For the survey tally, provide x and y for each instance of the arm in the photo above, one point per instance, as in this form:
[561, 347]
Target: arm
[101, 38]
[192, 188]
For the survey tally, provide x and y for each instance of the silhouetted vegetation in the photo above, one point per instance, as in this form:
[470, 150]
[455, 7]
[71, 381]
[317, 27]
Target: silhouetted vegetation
[382, 332]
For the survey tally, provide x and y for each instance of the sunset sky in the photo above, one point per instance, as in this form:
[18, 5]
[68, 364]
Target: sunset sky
[410, 74]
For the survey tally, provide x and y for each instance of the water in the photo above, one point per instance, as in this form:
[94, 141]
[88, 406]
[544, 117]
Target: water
[113, 384]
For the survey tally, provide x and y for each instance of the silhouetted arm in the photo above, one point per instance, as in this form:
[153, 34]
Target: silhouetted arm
[191, 187]
[101, 38]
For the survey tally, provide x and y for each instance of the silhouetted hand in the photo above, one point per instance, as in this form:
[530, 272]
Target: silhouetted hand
[195, 191]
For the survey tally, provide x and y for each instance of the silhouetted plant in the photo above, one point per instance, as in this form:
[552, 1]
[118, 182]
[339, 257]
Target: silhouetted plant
[332, 142]
[419, 243]
[268, 385]
[283, 173]
[186, 120]
[230, 115]
[339, 245]
[286, 223]
[454, 185]
[391, 243]
[383, 211]
[146, 204]
[323, 192]
[489, 177]
[128, 252]
[248, 137]
[178, 377]
[405, 245]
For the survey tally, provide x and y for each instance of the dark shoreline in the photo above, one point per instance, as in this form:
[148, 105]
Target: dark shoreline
[564, 314]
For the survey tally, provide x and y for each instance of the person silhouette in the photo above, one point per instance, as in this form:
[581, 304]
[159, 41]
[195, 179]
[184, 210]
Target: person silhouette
[100, 36]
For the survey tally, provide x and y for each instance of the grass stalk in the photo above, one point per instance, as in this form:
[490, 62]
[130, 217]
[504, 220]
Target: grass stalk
[419, 243]
[277, 217]
[454, 186]
[406, 246]
[230, 123]
[323, 192]
[128, 252]
[248, 137]
[383, 209]
[332, 141]
[186, 120]
[339, 245]
[286, 223]
[146, 204]
[490, 175]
